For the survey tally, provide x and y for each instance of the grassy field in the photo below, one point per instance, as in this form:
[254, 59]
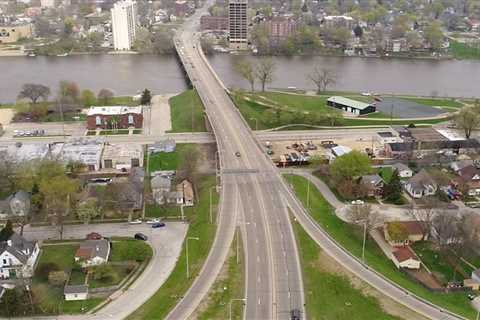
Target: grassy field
[328, 295]
[118, 274]
[229, 285]
[186, 112]
[350, 237]
[464, 51]
[130, 250]
[171, 160]
[177, 284]
[62, 255]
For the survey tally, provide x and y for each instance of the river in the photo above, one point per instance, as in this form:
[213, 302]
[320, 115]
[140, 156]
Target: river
[126, 74]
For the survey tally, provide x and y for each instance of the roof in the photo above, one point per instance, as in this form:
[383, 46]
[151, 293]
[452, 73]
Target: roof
[21, 195]
[160, 182]
[400, 166]
[385, 134]
[420, 180]
[93, 248]
[18, 248]
[371, 179]
[349, 102]
[86, 151]
[122, 151]
[94, 236]
[426, 134]
[75, 289]
[476, 272]
[114, 110]
[404, 253]
[411, 227]
[186, 188]
[468, 172]
[458, 165]
[341, 150]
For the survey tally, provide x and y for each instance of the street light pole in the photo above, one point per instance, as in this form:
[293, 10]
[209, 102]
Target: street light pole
[230, 306]
[211, 211]
[189, 238]
[364, 239]
[308, 194]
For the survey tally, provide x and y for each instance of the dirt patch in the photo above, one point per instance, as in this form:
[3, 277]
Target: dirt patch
[6, 116]
[327, 264]
[207, 161]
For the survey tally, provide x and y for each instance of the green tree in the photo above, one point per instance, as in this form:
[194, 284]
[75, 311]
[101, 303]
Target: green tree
[392, 191]
[143, 41]
[104, 272]
[434, 35]
[163, 42]
[397, 231]
[68, 24]
[264, 71]
[68, 90]
[146, 98]
[88, 98]
[7, 231]
[88, 210]
[468, 119]
[350, 166]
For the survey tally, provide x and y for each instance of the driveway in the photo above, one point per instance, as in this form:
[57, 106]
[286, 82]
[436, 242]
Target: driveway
[157, 117]
[166, 244]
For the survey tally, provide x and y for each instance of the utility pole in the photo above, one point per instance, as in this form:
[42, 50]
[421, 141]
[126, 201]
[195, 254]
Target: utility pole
[364, 239]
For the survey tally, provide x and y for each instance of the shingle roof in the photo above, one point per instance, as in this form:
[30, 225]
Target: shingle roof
[159, 182]
[420, 180]
[75, 289]
[400, 166]
[93, 248]
[349, 102]
[19, 247]
[404, 253]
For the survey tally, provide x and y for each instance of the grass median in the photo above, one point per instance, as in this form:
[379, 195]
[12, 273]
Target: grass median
[177, 284]
[350, 237]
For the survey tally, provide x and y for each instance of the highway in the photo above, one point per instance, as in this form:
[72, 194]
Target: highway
[248, 200]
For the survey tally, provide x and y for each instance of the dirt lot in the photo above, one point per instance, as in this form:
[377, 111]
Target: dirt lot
[6, 116]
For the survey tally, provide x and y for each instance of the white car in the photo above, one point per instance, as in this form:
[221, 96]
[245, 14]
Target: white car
[366, 94]
[358, 202]
[136, 221]
[154, 220]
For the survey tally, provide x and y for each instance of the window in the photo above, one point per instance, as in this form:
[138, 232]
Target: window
[4, 261]
[98, 120]
[130, 119]
[135, 162]
[107, 164]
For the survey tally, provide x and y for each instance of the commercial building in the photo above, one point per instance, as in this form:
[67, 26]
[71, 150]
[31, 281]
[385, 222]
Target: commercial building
[338, 21]
[213, 23]
[238, 25]
[281, 27]
[122, 156]
[124, 24]
[114, 117]
[349, 105]
[85, 151]
[47, 3]
[13, 33]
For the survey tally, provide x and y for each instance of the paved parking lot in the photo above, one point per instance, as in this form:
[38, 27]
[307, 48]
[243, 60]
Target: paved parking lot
[406, 109]
[51, 128]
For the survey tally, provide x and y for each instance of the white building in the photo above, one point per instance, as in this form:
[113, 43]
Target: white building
[18, 257]
[124, 24]
[76, 292]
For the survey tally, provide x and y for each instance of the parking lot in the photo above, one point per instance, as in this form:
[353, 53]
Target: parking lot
[406, 109]
[27, 129]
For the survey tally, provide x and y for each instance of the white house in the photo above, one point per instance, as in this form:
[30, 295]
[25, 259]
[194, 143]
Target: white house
[18, 257]
[75, 293]
[93, 252]
[403, 170]
[421, 185]
[404, 257]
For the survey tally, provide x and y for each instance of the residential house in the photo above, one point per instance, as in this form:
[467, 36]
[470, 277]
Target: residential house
[122, 156]
[186, 188]
[16, 205]
[174, 197]
[459, 165]
[403, 170]
[93, 252]
[373, 183]
[130, 192]
[421, 185]
[76, 292]
[160, 187]
[469, 178]
[412, 229]
[404, 257]
[114, 117]
[167, 145]
[18, 257]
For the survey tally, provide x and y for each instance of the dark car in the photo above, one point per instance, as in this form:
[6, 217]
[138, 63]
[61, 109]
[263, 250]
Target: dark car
[158, 225]
[295, 314]
[237, 154]
[140, 236]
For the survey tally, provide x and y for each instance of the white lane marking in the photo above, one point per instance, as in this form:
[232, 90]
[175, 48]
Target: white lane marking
[258, 258]
[259, 301]
[256, 240]
[258, 279]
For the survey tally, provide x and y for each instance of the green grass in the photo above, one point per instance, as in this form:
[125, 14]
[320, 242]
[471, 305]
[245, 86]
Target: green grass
[170, 160]
[75, 307]
[464, 51]
[119, 273]
[155, 211]
[130, 250]
[117, 101]
[350, 237]
[231, 286]
[185, 107]
[113, 132]
[177, 284]
[437, 102]
[328, 295]
[62, 255]
[295, 102]
[77, 277]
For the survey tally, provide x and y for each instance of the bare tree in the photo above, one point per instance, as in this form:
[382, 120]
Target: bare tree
[469, 232]
[34, 92]
[424, 215]
[246, 70]
[264, 71]
[105, 96]
[468, 119]
[447, 230]
[322, 78]
[365, 216]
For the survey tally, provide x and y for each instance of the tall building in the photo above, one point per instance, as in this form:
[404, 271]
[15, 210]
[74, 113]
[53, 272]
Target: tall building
[124, 24]
[238, 24]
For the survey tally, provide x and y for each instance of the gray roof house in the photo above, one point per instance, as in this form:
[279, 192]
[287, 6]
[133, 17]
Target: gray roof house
[15, 205]
[75, 292]
[160, 186]
[403, 170]
[93, 252]
[421, 185]
[374, 183]
[18, 257]
[167, 145]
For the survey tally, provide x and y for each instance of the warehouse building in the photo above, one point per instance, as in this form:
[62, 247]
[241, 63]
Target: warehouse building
[349, 105]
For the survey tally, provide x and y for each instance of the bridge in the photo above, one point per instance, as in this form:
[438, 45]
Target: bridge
[259, 203]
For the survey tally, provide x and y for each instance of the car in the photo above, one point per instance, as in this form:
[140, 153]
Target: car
[158, 225]
[154, 220]
[136, 221]
[295, 314]
[237, 154]
[471, 296]
[100, 181]
[140, 236]
[358, 202]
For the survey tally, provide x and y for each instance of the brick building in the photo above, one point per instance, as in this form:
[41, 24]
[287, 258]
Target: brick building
[281, 27]
[114, 117]
[213, 23]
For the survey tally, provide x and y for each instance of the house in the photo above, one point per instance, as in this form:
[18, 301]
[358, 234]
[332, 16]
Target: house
[75, 293]
[404, 257]
[93, 252]
[469, 177]
[186, 188]
[160, 186]
[374, 184]
[403, 170]
[94, 236]
[412, 229]
[421, 185]
[167, 145]
[174, 197]
[16, 205]
[130, 192]
[18, 257]
[351, 106]
[114, 117]
[122, 156]
[459, 165]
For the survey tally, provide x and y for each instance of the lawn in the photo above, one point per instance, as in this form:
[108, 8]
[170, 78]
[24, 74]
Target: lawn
[329, 295]
[170, 160]
[113, 132]
[187, 113]
[119, 273]
[350, 237]
[177, 284]
[62, 255]
[464, 51]
[118, 101]
[155, 211]
[130, 250]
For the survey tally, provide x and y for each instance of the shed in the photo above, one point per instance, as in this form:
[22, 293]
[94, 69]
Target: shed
[404, 257]
[349, 105]
[75, 293]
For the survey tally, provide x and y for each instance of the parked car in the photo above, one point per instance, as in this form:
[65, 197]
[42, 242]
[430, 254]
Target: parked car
[295, 314]
[237, 154]
[358, 202]
[100, 181]
[136, 221]
[154, 220]
[158, 225]
[140, 236]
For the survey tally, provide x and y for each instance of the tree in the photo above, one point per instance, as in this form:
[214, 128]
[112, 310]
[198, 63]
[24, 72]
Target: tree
[447, 230]
[143, 41]
[400, 27]
[392, 191]
[322, 78]
[34, 92]
[468, 119]
[246, 70]
[424, 215]
[7, 231]
[105, 95]
[68, 24]
[434, 35]
[350, 166]
[207, 46]
[264, 71]
[68, 90]
[88, 210]
[189, 167]
[104, 272]
[364, 215]
[163, 42]
[358, 31]
[397, 232]
[146, 98]
[88, 98]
